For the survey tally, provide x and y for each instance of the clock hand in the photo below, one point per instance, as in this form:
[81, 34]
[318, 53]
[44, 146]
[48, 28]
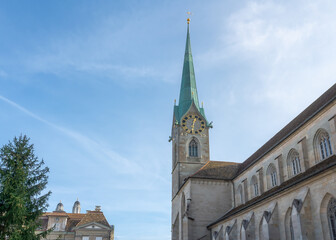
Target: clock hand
[193, 125]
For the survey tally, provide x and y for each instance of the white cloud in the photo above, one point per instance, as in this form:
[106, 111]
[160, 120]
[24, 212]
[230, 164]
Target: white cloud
[290, 46]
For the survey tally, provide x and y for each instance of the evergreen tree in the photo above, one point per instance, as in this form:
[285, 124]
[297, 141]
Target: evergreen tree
[23, 179]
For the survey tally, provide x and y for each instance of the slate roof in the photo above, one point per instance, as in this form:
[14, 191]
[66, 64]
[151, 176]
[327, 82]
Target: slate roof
[309, 173]
[217, 170]
[94, 216]
[325, 99]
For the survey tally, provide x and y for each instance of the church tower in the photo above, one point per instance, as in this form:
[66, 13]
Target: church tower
[190, 130]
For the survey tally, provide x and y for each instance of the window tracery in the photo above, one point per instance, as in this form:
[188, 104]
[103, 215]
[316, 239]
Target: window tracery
[294, 164]
[272, 179]
[295, 160]
[193, 148]
[324, 145]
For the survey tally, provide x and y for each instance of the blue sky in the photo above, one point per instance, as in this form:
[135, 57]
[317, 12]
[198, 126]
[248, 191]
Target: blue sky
[93, 83]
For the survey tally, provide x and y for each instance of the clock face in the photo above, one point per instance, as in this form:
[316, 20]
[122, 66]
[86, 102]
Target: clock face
[193, 124]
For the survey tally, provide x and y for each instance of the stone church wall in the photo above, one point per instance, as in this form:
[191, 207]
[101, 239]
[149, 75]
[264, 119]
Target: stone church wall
[197, 204]
[301, 141]
[271, 216]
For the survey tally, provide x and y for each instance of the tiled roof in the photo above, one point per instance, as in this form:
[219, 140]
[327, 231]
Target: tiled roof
[310, 172]
[94, 216]
[217, 170]
[60, 214]
[76, 215]
[71, 223]
[302, 118]
[75, 219]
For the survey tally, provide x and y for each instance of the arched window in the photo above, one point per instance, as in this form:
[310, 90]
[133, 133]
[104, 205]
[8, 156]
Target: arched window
[193, 148]
[323, 145]
[332, 218]
[254, 186]
[295, 161]
[271, 174]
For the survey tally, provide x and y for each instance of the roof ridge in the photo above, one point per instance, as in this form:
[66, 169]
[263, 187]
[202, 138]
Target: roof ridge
[223, 161]
[309, 112]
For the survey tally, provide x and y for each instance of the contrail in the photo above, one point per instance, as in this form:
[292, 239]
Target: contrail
[85, 141]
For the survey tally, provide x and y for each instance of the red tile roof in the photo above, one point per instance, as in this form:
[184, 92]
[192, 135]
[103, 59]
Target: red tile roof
[94, 216]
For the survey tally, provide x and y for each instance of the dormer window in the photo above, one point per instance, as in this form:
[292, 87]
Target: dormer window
[193, 148]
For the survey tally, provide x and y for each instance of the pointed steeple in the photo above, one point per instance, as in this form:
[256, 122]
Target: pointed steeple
[188, 92]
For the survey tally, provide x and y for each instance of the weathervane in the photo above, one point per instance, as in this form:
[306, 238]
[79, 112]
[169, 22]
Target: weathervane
[188, 19]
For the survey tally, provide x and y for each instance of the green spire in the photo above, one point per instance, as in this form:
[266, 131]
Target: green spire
[188, 92]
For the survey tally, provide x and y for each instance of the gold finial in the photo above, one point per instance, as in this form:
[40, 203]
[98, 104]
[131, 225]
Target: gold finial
[202, 104]
[188, 19]
[174, 101]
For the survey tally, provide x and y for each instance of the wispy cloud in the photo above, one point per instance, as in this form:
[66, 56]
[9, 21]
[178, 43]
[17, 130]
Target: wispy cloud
[290, 47]
[107, 156]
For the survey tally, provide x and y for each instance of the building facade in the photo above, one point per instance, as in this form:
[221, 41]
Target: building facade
[91, 225]
[285, 190]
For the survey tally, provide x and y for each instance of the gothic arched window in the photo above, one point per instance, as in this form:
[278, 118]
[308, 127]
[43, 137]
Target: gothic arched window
[193, 148]
[295, 162]
[323, 145]
[332, 218]
[271, 176]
